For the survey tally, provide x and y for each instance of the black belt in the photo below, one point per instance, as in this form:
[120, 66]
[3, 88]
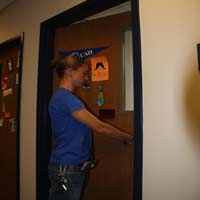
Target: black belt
[74, 168]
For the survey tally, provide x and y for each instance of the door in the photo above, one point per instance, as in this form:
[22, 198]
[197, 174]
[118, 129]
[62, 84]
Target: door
[9, 95]
[113, 176]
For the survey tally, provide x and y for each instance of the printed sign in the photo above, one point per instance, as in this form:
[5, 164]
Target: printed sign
[100, 68]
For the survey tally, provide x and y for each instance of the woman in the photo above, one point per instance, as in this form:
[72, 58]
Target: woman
[71, 128]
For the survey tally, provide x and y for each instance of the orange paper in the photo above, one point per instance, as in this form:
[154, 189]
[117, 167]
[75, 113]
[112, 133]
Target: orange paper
[100, 68]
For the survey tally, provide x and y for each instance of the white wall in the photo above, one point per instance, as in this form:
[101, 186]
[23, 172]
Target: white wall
[170, 31]
[26, 16]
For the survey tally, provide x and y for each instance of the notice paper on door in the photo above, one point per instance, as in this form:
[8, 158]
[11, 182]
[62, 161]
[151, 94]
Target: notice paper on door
[7, 92]
[100, 68]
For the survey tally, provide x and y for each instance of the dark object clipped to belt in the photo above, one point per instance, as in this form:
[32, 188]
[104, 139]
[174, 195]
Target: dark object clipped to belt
[90, 164]
[86, 166]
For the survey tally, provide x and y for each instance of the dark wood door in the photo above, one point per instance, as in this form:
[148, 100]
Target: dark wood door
[9, 64]
[113, 177]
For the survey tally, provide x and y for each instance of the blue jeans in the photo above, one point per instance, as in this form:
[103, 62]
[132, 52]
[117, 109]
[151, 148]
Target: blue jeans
[75, 184]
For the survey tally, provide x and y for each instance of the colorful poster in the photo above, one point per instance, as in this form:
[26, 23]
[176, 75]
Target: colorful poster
[100, 68]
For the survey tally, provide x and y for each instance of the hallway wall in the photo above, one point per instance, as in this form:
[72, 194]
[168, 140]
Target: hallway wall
[171, 89]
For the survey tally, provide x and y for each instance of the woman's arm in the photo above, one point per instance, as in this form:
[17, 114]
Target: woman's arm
[84, 116]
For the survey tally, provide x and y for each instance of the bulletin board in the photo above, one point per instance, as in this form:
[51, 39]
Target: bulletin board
[11, 53]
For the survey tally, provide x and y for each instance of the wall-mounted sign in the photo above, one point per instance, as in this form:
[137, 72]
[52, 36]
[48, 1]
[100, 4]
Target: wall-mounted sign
[100, 68]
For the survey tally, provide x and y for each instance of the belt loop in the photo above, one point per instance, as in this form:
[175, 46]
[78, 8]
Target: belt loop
[62, 171]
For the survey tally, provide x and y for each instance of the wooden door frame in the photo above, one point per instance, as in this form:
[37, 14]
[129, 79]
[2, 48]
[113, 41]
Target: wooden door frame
[13, 42]
[45, 77]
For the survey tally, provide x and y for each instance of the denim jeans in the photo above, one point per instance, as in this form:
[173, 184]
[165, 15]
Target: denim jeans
[76, 183]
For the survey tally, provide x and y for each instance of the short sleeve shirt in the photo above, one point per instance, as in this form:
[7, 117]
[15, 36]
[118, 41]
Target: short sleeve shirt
[72, 143]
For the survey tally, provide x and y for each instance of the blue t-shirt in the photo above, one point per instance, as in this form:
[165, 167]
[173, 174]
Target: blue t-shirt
[72, 142]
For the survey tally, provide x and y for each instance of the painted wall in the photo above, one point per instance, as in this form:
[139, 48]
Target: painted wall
[170, 31]
[171, 83]
[26, 16]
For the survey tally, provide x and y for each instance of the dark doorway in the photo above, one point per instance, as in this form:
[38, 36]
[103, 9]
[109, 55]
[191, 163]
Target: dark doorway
[45, 81]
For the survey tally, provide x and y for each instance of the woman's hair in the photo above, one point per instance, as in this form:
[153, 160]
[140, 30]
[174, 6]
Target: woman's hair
[72, 61]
